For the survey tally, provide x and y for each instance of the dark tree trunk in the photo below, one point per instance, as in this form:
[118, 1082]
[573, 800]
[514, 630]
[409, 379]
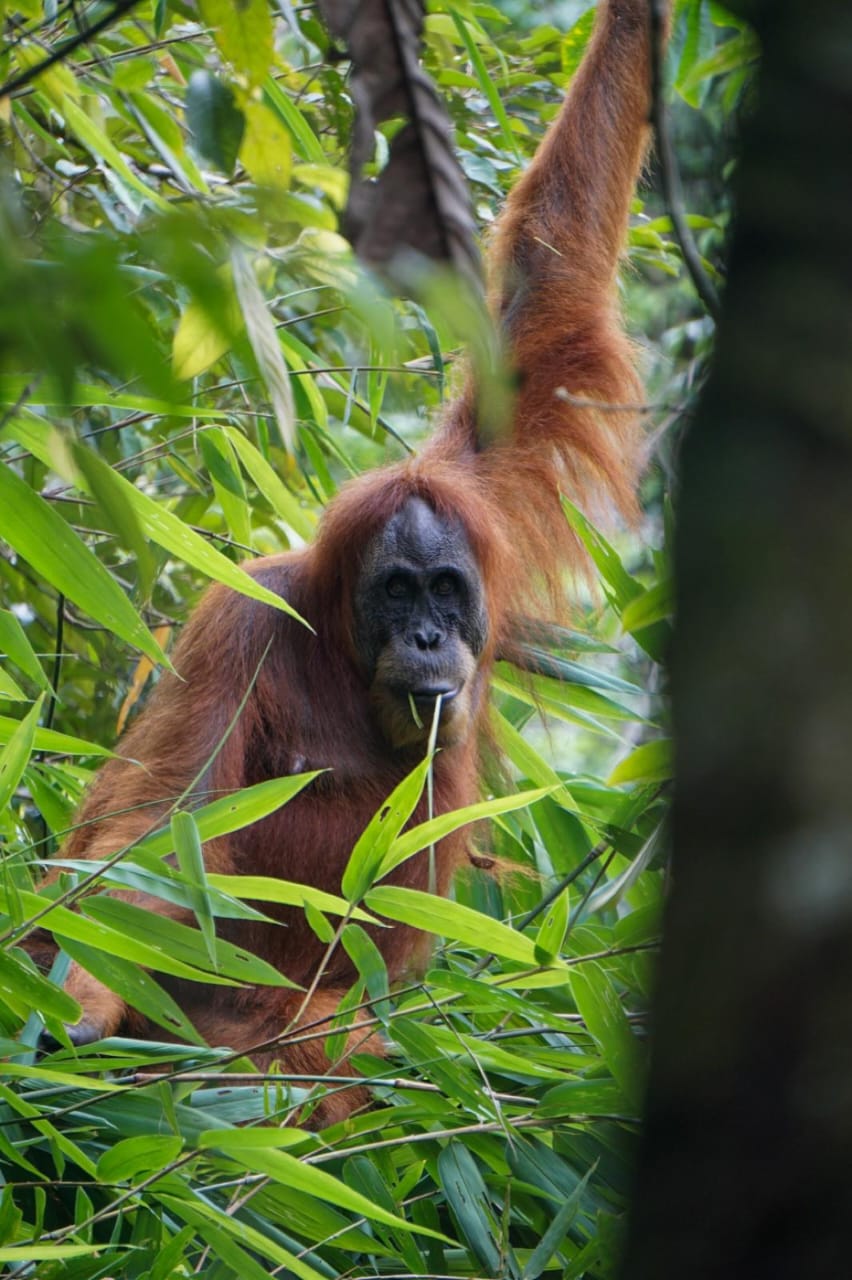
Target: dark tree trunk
[746, 1166]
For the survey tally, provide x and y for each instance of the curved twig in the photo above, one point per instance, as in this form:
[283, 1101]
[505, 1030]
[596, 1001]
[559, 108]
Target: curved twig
[669, 172]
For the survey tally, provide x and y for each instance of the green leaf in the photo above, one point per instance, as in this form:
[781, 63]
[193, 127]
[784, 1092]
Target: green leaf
[96, 141]
[136, 987]
[233, 812]
[551, 933]
[451, 920]
[427, 833]
[102, 485]
[305, 138]
[182, 942]
[52, 547]
[134, 1156]
[607, 1024]
[289, 1171]
[266, 152]
[528, 761]
[10, 689]
[25, 989]
[16, 754]
[366, 859]
[190, 859]
[16, 646]
[468, 1202]
[655, 605]
[283, 503]
[215, 121]
[243, 33]
[652, 762]
[50, 740]
[265, 344]
[287, 892]
[157, 521]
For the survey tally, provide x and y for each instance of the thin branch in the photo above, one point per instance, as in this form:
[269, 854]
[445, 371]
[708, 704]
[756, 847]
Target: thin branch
[669, 172]
[82, 37]
[57, 661]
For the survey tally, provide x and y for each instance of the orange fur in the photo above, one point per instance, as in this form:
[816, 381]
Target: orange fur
[554, 257]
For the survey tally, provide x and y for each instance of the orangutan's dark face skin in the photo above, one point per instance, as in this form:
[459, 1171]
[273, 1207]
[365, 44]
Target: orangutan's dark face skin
[421, 625]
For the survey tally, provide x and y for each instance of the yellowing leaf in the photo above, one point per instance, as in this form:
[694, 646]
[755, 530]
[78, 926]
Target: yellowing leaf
[243, 33]
[266, 151]
[201, 338]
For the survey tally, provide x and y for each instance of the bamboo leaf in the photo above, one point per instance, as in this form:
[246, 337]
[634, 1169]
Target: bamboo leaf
[52, 547]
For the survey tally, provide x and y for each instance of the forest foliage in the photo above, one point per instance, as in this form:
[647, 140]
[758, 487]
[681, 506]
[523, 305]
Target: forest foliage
[192, 362]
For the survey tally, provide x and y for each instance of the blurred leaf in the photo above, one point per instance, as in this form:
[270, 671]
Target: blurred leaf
[215, 121]
[243, 32]
[43, 538]
[607, 1023]
[265, 344]
[651, 762]
[265, 152]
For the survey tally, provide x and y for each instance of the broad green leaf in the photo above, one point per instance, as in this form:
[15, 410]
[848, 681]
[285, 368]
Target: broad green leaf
[468, 1202]
[289, 1171]
[367, 958]
[583, 1097]
[102, 484]
[190, 859]
[233, 812]
[243, 33]
[51, 740]
[624, 588]
[10, 689]
[16, 646]
[366, 860]
[182, 942]
[427, 833]
[740, 51]
[551, 932]
[299, 519]
[24, 988]
[54, 550]
[199, 341]
[655, 605]
[215, 121]
[222, 1231]
[134, 1156]
[553, 1237]
[158, 522]
[224, 471]
[20, 1254]
[14, 757]
[451, 920]
[136, 987]
[95, 140]
[607, 1024]
[651, 762]
[265, 344]
[266, 151]
[286, 892]
[526, 759]
[71, 925]
[301, 131]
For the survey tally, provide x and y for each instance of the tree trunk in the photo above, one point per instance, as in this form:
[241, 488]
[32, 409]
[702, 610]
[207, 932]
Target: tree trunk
[746, 1164]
